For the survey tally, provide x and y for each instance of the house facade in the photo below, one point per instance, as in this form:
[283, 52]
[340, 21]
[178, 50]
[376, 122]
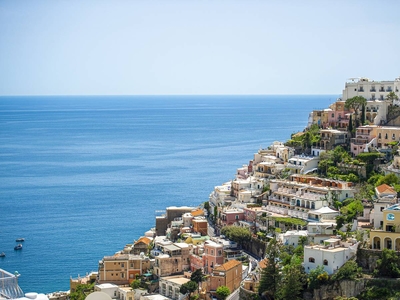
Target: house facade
[122, 268]
[332, 255]
[229, 274]
[370, 89]
[389, 236]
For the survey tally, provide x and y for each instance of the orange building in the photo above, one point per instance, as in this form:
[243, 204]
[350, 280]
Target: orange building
[200, 225]
[229, 274]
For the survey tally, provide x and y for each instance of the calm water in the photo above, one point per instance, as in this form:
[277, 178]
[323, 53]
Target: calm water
[80, 177]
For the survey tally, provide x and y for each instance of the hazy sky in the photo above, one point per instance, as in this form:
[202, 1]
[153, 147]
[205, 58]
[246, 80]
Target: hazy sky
[132, 47]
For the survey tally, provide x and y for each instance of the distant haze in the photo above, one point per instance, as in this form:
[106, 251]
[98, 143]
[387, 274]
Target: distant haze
[195, 47]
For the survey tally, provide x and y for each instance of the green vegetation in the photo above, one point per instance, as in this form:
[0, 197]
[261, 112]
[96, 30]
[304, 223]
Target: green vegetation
[356, 103]
[305, 140]
[381, 289]
[271, 275]
[317, 277]
[290, 221]
[188, 288]
[82, 291]
[388, 265]
[237, 234]
[350, 271]
[223, 292]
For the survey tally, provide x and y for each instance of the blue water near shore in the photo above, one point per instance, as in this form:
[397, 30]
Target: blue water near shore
[80, 177]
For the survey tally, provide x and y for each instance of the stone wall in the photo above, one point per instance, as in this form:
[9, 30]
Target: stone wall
[344, 288]
[256, 247]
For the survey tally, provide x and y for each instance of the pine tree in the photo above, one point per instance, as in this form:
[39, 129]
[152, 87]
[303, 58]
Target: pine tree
[293, 282]
[270, 275]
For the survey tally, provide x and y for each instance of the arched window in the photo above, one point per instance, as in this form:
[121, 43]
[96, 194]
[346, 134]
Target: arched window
[311, 260]
[325, 262]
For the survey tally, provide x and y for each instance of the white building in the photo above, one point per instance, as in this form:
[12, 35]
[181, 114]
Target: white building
[320, 231]
[370, 89]
[303, 196]
[332, 255]
[170, 286]
[303, 164]
[291, 237]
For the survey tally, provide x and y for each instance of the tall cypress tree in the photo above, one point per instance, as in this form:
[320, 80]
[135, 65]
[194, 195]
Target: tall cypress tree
[363, 115]
[270, 275]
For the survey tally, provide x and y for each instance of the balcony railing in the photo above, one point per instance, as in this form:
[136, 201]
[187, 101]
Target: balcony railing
[372, 90]
[381, 89]
[388, 89]
[361, 90]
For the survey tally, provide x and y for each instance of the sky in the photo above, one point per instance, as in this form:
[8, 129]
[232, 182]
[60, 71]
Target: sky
[195, 47]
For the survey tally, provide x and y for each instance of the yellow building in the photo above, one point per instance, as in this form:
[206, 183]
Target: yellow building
[122, 268]
[389, 236]
[387, 134]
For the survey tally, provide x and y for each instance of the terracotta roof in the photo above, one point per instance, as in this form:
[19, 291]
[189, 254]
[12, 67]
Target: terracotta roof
[144, 240]
[197, 212]
[228, 265]
[263, 263]
[384, 188]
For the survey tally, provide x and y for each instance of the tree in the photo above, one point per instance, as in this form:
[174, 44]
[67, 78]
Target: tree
[363, 115]
[188, 287]
[293, 282]
[355, 103]
[222, 292]
[271, 274]
[391, 97]
[197, 276]
[135, 284]
[350, 271]
[237, 234]
[317, 277]
[388, 265]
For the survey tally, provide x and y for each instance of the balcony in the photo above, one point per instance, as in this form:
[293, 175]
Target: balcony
[372, 90]
[361, 90]
[381, 89]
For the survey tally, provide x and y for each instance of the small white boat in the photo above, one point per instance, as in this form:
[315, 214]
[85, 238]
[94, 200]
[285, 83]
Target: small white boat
[18, 247]
[2, 254]
[20, 240]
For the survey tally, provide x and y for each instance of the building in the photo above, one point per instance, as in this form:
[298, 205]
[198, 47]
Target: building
[331, 138]
[122, 269]
[229, 274]
[9, 285]
[333, 254]
[393, 168]
[370, 89]
[302, 164]
[389, 236]
[364, 140]
[318, 231]
[171, 214]
[302, 196]
[200, 225]
[172, 259]
[230, 216]
[170, 286]
[213, 256]
[292, 237]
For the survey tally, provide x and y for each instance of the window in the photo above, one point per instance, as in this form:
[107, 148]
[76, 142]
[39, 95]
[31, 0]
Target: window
[237, 217]
[393, 136]
[325, 262]
[382, 208]
[311, 260]
[379, 135]
[386, 136]
[122, 265]
[333, 115]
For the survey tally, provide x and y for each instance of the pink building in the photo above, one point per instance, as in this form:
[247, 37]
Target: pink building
[213, 255]
[364, 135]
[338, 117]
[231, 216]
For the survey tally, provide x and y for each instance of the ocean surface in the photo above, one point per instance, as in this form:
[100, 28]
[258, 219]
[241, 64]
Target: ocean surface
[80, 177]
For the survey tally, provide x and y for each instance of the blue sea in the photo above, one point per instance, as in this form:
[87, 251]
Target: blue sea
[80, 177]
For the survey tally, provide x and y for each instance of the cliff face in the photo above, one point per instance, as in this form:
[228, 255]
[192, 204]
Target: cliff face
[344, 288]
